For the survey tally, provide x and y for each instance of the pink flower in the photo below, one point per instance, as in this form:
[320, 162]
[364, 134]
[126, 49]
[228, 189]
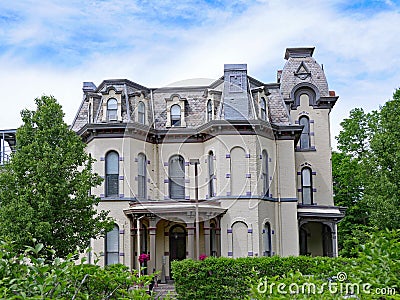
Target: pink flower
[144, 257]
[202, 256]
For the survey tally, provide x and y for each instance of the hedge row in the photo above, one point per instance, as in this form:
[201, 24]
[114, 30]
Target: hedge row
[377, 264]
[227, 278]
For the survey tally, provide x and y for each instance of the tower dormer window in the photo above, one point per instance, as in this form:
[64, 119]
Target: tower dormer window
[263, 108]
[112, 108]
[175, 115]
[141, 113]
[209, 111]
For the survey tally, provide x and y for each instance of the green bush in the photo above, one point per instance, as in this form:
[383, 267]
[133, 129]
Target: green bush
[377, 264]
[31, 276]
[227, 278]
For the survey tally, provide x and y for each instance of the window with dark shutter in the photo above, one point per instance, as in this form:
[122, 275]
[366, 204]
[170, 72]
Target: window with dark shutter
[175, 115]
[142, 185]
[306, 186]
[112, 108]
[265, 176]
[141, 113]
[210, 161]
[177, 177]
[305, 134]
[112, 174]
[112, 246]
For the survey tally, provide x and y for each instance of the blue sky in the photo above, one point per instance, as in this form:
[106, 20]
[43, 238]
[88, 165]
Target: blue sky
[51, 47]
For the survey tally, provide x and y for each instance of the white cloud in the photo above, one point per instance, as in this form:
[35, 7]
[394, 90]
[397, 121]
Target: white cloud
[156, 43]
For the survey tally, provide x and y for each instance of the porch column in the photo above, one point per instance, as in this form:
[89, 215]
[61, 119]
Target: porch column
[190, 245]
[152, 232]
[334, 240]
[207, 237]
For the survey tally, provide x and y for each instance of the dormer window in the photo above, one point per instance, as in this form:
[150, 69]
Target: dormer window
[175, 115]
[263, 108]
[209, 111]
[112, 108]
[141, 113]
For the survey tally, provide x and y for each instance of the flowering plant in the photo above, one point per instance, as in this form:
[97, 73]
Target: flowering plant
[144, 257]
[202, 256]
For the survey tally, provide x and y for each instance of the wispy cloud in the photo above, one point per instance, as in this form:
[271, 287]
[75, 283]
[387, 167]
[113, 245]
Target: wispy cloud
[52, 47]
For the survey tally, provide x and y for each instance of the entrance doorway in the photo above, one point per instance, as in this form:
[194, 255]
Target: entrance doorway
[177, 245]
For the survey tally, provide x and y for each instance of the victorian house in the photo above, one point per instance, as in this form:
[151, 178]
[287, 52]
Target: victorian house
[232, 167]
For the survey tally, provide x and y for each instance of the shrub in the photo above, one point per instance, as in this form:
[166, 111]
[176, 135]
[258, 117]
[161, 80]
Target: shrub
[31, 276]
[377, 265]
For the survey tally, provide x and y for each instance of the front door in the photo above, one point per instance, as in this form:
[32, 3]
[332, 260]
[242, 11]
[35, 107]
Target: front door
[177, 245]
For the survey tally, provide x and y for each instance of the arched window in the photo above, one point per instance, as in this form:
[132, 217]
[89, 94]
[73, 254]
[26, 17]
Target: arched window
[238, 171]
[141, 112]
[306, 186]
[209, 111]
[176, 177]
[267, 240]
[175, 115]
[112, 246]
[265, 176]
[142, 181]
[112, 107]
[305, 134]
[263, 105]
[112, 173]
[210, 161]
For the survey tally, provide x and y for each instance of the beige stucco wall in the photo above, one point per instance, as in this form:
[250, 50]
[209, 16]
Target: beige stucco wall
[320, 159]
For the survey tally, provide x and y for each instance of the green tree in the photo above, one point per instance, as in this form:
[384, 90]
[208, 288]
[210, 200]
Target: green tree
[383, 167]
[366, 173]
[44, 192]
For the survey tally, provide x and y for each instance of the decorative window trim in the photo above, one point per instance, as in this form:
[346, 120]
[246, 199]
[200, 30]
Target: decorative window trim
[173, 100]
[137, 115]
[111, 93]
[263, 109]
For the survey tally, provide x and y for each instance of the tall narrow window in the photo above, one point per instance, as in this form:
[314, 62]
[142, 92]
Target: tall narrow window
[211, 174]
[141, 112]
[263, 105]
[213, 240]
[209, 111]
[112, 173]
[175, 115]
[265, 176]
[142, 168]
[176, 177]
[112, 107]
[90, 113]
[306, 186]
[112, 246]
[267, 240]
[305, 134]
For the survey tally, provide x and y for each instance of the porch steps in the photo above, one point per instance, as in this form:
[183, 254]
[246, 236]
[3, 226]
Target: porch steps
[165, 291]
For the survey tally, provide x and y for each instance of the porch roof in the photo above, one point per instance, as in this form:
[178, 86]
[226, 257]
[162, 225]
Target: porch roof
[323, 212]
[168, 209]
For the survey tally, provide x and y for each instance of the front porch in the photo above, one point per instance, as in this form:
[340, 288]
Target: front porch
[318, 229]
[167, 231]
